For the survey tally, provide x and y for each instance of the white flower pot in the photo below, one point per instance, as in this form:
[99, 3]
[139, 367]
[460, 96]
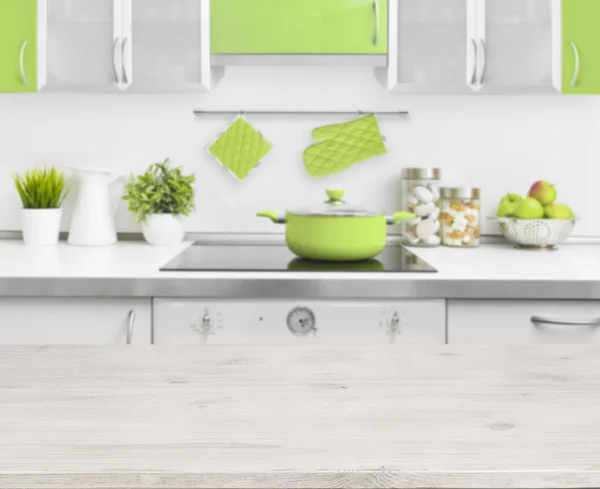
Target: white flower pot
[40, 227]
[163, 230]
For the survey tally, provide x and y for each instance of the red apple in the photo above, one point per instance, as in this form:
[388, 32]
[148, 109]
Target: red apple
[543, 192]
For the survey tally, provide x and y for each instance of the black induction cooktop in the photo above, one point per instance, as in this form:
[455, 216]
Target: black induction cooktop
[278, 258]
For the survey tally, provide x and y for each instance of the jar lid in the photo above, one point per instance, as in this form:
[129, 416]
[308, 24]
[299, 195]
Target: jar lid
[418, 173]
[334, 207]
[459, 193]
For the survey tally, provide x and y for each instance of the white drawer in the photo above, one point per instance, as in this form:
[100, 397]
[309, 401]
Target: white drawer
[513, 322]
[74, 321]
[193, 321]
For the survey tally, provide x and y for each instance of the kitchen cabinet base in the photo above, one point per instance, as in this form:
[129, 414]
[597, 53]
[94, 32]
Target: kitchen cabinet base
[75, 321]
[523, 322]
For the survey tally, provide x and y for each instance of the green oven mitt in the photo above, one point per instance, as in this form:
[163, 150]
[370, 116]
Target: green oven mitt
[343, 145]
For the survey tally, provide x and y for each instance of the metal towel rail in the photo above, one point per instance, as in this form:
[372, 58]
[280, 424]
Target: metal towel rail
[400, 113]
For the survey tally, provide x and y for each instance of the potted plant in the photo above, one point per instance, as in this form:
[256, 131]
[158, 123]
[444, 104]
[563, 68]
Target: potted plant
[42, 192]
[157, 199]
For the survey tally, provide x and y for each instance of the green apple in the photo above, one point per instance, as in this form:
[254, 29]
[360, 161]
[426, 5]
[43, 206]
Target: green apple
[507, 209]
[530, 208]
[558, 211]
[543, 192]
[511, 199]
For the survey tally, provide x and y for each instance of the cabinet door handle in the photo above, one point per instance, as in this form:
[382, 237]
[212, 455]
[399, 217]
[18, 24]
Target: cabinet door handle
[376, 13]
[483, 62]
[538, 320]
[22, 63]
[115, 64]
[474, 74]
[130, 325]
[576, 70]
[124, 65]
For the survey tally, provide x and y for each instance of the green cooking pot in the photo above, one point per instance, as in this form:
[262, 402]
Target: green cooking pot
[336, 232]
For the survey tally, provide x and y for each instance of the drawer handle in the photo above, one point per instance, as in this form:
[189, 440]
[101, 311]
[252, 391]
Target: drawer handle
[22, 63]
[576, 69]
[130, 325]
[115, 64]
[474, 74]
[538, 321]
[124, 64]
[376, 14]
[483, 63]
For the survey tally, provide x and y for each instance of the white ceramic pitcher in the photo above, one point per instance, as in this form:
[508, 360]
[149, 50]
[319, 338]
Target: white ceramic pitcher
[93, 218]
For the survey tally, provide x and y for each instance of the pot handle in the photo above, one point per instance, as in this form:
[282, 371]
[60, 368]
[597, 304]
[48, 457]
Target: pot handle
[271, 215]
[400, 216]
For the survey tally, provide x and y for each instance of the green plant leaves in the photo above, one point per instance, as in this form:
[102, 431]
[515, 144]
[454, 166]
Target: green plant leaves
[161, 190]
[41, 188]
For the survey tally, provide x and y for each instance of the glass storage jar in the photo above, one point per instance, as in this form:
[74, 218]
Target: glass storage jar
[460, 217]
[421, 195]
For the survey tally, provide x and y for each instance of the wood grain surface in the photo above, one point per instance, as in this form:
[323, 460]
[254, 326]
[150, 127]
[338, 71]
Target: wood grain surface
[271, 417]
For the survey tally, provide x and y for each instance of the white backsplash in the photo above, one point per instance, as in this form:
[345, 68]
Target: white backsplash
[500, 143]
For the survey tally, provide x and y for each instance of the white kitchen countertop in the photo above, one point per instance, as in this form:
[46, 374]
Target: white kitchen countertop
[132, 269]
[295, 418]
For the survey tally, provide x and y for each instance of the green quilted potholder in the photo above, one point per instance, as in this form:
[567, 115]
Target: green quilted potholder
[343, 145]
[240, 148]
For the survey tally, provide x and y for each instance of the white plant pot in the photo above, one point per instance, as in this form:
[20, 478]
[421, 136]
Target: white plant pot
[40, 227]
[163, 230]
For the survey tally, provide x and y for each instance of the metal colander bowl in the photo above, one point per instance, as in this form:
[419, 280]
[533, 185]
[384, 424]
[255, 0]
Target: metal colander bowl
[536, 233]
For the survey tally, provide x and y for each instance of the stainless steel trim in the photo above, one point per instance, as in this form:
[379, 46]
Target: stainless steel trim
[370, 60]
[130, 326]
[474, 74]
[483, 63]
[460, 193]
[376, 13]
[115, 64]
[123, 64]
[299, 286]
[300, 112]
[421, 173]
[576, 69]
[538, 321]
[22, 63]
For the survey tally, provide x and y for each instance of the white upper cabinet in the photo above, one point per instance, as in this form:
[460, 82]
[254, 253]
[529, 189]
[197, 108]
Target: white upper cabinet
[167, 46]
[77, 45]
[427, 46]
[125, 45]
[518, 45]
[474, 46]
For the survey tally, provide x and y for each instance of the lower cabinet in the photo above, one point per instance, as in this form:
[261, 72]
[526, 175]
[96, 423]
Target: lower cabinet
[75, 321]
[511, 322]
[194, 321]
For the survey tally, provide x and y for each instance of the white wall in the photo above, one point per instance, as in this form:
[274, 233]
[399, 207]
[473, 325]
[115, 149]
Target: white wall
[498, 143]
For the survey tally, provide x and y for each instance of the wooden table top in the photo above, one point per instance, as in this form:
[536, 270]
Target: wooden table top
[280, 417]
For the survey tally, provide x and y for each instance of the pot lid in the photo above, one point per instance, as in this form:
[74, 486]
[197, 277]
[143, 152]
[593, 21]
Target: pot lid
[335, 207]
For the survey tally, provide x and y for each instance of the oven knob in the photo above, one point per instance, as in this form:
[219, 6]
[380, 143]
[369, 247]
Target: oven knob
[208, 325]
[301, 321]
[393, 325]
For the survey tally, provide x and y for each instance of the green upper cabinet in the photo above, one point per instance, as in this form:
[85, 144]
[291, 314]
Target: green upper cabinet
[18, 42]
[581, 46]
[299, 26]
